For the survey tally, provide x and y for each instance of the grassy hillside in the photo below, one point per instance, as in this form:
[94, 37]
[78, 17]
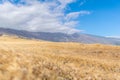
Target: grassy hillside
[22, 59]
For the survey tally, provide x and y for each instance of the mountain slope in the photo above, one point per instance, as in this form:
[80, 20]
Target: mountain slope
[23, 59]
[60, 37]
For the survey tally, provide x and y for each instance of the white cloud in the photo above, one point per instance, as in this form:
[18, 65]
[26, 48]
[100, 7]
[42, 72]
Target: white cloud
[82, 2]
[75, 15]
[113, 36]
[39, 16]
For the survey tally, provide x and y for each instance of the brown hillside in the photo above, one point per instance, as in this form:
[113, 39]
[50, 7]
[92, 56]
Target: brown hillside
[22, 59]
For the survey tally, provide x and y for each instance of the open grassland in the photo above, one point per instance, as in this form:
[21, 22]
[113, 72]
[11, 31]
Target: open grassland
[22, 59]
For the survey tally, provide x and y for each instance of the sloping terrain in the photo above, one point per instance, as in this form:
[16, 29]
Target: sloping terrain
[61, 37]
[23, 59]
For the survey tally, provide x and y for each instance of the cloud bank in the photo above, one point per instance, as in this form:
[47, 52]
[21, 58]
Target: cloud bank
[43, 16]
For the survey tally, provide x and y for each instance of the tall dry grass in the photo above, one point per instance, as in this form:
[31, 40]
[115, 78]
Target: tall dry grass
[22, 59]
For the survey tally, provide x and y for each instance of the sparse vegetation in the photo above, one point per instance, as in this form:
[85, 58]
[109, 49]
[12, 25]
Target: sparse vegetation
[22, 59]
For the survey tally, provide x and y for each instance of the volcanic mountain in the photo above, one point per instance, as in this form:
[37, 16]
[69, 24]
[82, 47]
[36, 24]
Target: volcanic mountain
[61, 37]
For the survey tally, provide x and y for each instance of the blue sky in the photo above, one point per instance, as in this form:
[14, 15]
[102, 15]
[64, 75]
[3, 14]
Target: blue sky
[104, 19]
[98, 17]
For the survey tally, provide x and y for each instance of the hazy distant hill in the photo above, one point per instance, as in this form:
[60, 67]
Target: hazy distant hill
[60, 37]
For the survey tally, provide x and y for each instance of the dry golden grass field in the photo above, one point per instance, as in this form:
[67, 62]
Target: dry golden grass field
[23, 59]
